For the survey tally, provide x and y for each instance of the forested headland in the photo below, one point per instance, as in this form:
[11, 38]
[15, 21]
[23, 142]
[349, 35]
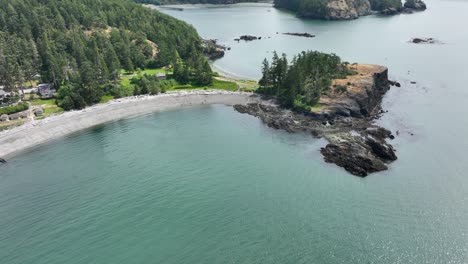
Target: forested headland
[301, 83]
[348, 9]
[82, 46]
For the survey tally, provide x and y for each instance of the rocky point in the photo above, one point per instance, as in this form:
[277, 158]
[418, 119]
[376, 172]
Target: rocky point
[345, 118]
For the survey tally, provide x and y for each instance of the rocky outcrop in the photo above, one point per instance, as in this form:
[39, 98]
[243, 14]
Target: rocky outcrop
[425, 41]
[247, 38]
[344, 118]
[417, 5]
[362, 93]
[212, 49]
[390, 11]
[359, 155]
[306, 35]
[347, 9]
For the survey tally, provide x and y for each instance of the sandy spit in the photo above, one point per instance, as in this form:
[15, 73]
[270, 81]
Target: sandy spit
[38, 132]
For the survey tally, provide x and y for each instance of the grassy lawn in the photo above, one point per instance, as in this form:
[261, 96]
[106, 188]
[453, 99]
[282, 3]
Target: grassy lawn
[49, 107]
[49, 102]
[217, 84]
[129, 75]
[106, 98]
[224, 85]
[126, 76]
[31, 84]
[52, 110]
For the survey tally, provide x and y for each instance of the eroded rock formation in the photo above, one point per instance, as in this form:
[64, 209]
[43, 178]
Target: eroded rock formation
[344, 118]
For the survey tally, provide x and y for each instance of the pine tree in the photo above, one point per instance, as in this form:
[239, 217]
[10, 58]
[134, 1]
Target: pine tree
[265, 81]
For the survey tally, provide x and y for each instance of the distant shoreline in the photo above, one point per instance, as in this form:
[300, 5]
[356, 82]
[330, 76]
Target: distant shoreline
[16, 140]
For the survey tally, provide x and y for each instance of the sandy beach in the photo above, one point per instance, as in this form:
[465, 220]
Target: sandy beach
[38, 132]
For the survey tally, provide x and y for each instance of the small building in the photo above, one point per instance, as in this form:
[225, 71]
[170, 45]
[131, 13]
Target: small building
[23, 114]
[43, 87]
[4, 118]
[38, 111]
[19, 115]
[161, 76]
[3, 94]
[14, 116]
[46, 90]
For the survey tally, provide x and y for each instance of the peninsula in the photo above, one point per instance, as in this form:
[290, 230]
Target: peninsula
[319, 95]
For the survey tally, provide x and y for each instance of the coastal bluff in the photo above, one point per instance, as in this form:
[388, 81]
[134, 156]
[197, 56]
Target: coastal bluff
[345, 118]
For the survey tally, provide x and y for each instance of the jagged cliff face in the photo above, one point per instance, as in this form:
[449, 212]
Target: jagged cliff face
[348, 9]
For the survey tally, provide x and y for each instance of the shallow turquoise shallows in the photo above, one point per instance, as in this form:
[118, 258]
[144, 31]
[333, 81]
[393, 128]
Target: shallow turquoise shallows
[209, 185]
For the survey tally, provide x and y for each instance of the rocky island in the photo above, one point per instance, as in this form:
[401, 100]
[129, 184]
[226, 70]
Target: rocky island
[344, 116]
[348, 9]
[212, 49]
[425, 41]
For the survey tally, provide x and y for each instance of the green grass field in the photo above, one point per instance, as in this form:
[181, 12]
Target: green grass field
[49, 107]
[52, 110]
[126, 77]
[37, 102]
[217, 84]
[106, 98]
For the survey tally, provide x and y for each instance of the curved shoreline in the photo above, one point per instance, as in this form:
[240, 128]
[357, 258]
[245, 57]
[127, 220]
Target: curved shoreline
[35, 133]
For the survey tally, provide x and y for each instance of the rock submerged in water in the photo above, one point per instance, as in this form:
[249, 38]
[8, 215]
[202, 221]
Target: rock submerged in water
[359, 156]
[394, 83]
[390, 12]
[345, 120]
[247, 38]
[306, 35]
[2, 160]
[416, 5]
[425, 41]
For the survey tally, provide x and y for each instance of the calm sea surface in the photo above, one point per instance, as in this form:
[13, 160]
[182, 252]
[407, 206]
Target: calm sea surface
[209, 185]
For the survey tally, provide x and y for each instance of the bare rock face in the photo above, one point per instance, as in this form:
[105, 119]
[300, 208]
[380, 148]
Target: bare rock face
[212, 49]
[344, 118]
[363, 94]
[417, 5]
[348, 9]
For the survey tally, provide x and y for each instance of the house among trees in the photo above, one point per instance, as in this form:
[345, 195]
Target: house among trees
[4, 118]
[46, 90]
[4, 96]
[19, 115]
[38, 111]
[161, 76]
[14, 116]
